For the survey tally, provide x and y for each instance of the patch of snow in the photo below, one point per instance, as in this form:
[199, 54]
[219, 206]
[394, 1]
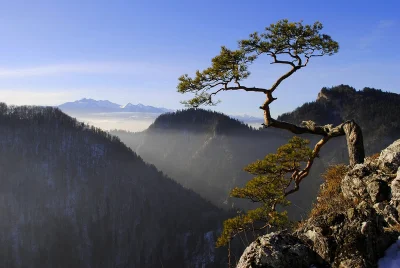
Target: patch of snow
[210, 255]
[248, 118]
[392, 257]
[127, 105]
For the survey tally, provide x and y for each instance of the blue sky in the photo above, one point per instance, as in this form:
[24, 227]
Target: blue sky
[134, 51]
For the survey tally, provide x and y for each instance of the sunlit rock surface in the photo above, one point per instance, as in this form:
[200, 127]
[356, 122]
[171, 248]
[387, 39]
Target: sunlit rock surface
[356, 238]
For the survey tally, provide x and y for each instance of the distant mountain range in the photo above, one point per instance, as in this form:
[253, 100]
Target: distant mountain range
[203, 150]
[105, 106]
[85, 106]
[248, 118]
[206, 151]
[75, 196]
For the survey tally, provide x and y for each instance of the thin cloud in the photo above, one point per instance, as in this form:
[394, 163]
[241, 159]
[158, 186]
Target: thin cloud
[87, 68]
[376, 33]
[28, 97]
[59, 95]
[386, 24]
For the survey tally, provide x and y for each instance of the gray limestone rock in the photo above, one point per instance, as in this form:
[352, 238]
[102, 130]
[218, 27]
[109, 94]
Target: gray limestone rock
[355, 236]
[278, 250]
[389, 159]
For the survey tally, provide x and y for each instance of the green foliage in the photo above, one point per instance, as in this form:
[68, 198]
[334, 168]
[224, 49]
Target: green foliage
[272, 178]
[228, 66]
[245, 222]
[291, 37]
[293, 41]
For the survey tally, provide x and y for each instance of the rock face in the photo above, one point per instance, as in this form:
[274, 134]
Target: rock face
[279, 250]
[356, 234]
[389, 160]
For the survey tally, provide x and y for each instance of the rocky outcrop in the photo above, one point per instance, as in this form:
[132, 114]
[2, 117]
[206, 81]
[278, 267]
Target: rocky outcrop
[389, 160]
[356, 234]
[279, 250]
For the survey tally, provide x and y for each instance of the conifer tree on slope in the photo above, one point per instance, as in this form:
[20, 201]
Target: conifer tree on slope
[292, 44]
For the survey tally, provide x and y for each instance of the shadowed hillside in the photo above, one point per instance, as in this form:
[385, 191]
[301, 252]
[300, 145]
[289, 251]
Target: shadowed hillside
[376, 112]
[75, 196]
[206, 151]
[203, 150]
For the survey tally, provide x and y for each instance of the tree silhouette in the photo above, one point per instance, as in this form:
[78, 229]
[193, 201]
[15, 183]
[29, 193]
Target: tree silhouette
[294, 45]
[289, 43]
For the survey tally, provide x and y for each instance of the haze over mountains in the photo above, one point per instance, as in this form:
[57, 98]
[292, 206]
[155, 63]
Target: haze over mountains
[103, 106]
[84, 199]
[206, 151]
[127, 126]
[131, 117]
[75, 196]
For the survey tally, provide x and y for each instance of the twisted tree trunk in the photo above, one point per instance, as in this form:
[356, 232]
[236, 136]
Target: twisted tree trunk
[355, 143]
[350, 129]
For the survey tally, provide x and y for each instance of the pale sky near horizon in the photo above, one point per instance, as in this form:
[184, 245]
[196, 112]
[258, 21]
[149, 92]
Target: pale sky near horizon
[134, 51]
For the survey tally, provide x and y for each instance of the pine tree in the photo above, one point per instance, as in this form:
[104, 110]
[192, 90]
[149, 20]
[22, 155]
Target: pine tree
[274, 177]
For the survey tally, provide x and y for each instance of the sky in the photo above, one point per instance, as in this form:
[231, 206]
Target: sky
[134, 51]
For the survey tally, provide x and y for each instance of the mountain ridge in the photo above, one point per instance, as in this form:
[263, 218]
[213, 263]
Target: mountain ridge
[233, 145]
[92, 105]
[376, 112]
[89, 105]
[84, 199]
[188, 144]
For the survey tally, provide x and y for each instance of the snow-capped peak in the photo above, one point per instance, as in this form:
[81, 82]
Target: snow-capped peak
[92, 105]
[246, 117]
[127, 105]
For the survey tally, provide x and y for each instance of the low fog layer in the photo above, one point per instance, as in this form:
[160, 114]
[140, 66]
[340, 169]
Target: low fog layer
[129, 121]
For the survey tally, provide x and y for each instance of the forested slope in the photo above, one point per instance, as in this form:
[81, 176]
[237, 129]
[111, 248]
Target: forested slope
[206, 151]
[377, 112]
[203, 150]
[75, 196]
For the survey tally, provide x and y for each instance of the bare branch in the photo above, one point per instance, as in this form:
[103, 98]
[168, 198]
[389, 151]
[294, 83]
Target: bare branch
[299, 176]
[272, 54]
[254, 89]
[216, 92]
[240, 87]
[283, 77]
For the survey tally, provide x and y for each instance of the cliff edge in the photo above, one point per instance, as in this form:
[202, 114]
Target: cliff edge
[352, 224]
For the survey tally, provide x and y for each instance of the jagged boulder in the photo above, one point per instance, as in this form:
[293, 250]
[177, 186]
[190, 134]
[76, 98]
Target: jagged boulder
[278, 250]
[365, 181]
[389, 159]
[395, 187]
[363, 224]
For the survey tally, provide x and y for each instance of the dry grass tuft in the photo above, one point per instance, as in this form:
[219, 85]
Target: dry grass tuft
[393, 228]
[373, 157]
[330, 198]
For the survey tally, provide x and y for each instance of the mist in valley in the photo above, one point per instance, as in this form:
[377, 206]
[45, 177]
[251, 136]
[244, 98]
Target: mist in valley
[128, 121]
[158, 134]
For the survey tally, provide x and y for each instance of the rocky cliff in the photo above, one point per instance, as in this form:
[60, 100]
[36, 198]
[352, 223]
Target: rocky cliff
[354, 221]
